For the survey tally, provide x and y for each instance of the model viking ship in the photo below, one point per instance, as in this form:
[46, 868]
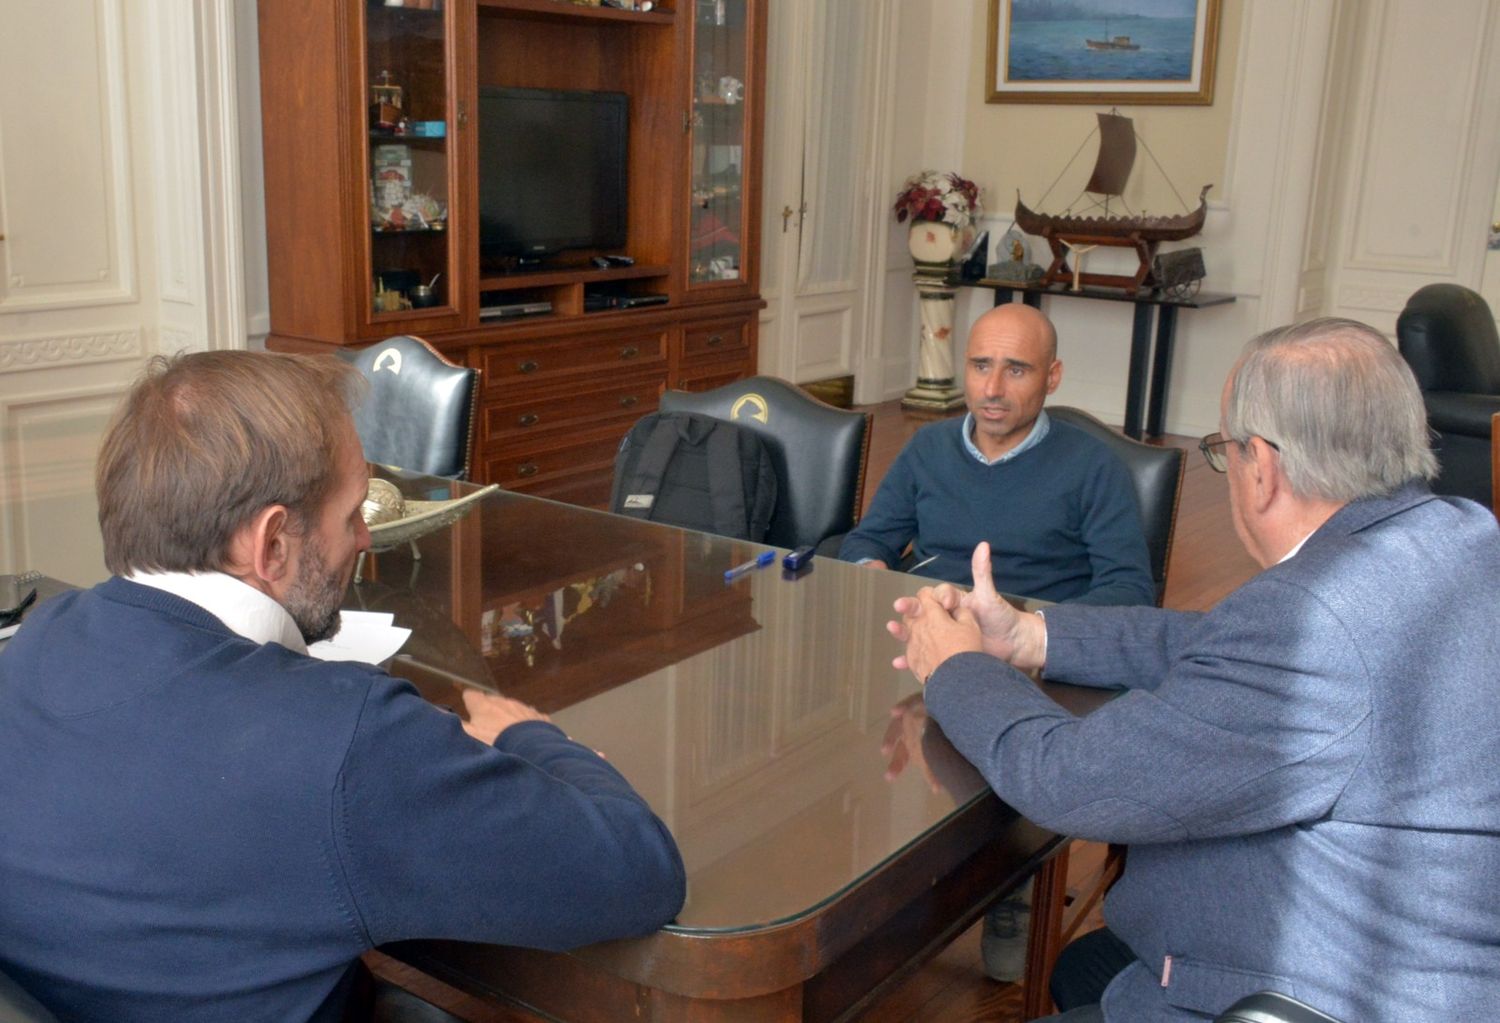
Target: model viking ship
[1116, 159]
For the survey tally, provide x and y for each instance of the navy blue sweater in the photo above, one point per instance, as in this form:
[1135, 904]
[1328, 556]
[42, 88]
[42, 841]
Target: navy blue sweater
[1061, 518]
[198, 827]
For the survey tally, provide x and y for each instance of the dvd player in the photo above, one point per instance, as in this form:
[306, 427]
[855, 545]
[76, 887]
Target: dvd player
[513, 309]
[594, 302]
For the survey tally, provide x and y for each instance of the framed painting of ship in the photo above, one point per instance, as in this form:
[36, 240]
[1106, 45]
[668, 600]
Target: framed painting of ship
[1102, 51]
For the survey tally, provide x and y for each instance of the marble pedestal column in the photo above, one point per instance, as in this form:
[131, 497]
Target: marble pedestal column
[933, 246]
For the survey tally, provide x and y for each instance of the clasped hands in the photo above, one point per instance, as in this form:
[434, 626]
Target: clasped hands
[941, 621]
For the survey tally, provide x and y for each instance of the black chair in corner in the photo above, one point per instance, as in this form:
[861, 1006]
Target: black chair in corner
[1272, 1007]
[819, 453]
[1157, 475]
[16, 1006]
[419, 414]
[1447, 335]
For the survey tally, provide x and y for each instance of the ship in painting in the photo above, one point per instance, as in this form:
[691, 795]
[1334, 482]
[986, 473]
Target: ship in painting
[1111, 42]
[1112, 168]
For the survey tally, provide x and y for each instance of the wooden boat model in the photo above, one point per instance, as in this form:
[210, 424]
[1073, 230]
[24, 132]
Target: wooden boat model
[1161, 229]
[1112, 167]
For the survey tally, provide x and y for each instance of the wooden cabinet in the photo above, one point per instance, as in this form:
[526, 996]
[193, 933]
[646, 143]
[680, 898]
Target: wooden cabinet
[370, 113]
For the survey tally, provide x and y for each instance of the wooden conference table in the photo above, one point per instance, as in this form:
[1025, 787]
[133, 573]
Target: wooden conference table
[751, 715]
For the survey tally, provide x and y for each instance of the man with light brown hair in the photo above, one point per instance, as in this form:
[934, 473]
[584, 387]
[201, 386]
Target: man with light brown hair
[207, 824]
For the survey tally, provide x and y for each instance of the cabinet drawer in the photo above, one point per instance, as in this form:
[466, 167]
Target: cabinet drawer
[538, 413]
[522, 466]
[732, 336]
[706, 378]
[508, 365]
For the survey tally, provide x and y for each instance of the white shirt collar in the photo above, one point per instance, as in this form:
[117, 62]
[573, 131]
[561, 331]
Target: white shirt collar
[1289, 554]
[244, 609]
[1038, 431]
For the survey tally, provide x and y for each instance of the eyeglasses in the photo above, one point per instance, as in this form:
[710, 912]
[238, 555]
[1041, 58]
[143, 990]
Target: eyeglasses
[1213, 447]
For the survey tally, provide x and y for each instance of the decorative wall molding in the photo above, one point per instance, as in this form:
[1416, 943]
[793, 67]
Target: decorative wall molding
[1379, 299]
[19, 354]
[171, 340]
[88, 259]
[1419, 138]
[226, 306]
[48, 444]
[1310, 301]
[171, 102]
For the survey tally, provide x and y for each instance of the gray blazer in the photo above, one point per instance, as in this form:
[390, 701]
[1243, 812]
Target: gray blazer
[1308, 775]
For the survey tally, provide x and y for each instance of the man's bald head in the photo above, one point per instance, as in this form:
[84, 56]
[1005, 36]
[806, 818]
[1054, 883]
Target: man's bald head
[1015, 317]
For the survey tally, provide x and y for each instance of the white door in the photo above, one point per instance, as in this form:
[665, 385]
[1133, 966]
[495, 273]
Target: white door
[821, 123]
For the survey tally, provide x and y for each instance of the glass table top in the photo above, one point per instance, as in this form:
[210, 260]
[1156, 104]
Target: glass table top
[761, 717]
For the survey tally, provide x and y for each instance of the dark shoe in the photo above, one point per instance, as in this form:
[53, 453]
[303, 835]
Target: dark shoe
[1002, 943]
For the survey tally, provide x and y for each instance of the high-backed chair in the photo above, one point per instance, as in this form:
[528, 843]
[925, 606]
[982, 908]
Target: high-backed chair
[1447, 335]
[419, 414]
[1157, 475]
[16, 1006]
[819, 452]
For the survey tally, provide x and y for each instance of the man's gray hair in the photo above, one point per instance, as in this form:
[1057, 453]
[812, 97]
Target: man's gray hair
[1339, 402]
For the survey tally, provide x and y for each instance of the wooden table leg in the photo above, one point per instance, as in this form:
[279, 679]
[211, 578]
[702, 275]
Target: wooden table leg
[1049, 891]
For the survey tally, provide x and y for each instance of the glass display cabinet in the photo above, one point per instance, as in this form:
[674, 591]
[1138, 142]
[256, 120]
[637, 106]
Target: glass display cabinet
[718, 223]
[378, 151]
[408, 158]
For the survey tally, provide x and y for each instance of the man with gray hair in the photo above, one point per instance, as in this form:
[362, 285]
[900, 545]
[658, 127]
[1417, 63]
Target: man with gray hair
[1305, 774]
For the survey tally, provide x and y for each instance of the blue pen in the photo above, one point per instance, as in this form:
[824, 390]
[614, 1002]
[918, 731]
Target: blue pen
[759, 561]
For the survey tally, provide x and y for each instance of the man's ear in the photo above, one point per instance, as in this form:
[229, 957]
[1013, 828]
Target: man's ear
[1054, 375]
[260, 552]
[1265, 471]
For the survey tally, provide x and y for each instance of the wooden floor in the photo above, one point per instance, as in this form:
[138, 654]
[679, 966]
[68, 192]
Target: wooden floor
[1207, 563]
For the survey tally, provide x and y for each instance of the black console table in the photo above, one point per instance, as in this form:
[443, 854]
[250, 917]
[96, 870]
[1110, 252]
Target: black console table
[1148, 305]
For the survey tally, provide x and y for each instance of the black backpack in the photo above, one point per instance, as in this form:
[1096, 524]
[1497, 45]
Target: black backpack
[695, 471]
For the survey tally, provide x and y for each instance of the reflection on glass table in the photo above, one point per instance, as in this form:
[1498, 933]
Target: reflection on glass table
[754, 715]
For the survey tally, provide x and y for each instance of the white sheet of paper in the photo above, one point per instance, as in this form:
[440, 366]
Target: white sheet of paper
[367, 636]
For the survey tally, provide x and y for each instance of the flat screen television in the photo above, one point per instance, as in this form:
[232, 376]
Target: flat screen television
[552, 172]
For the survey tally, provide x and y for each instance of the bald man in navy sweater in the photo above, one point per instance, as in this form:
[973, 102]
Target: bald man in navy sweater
[1055, 505]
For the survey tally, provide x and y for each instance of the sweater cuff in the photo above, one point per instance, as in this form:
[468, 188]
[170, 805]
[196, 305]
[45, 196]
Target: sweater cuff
[522, 734]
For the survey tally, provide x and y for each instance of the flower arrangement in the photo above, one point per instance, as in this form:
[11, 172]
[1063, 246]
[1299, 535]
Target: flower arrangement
[939, 197]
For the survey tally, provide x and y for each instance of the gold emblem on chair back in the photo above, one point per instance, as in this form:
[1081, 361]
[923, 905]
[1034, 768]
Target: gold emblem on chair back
[756, 405]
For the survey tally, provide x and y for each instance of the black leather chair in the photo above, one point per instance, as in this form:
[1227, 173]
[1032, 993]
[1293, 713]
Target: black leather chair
[1447, 335]
[1272, 1007]
[819, 453]
[1157, 474]
[419, 414]
[16, 1006]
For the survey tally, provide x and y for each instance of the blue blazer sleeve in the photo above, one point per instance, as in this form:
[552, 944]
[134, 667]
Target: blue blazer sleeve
[1242, 734]
[536, 841]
